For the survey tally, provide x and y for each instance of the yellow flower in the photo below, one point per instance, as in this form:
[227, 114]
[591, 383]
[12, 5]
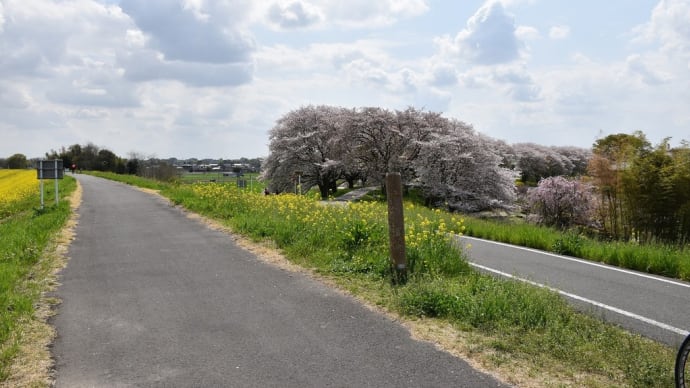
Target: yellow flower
[16, 185]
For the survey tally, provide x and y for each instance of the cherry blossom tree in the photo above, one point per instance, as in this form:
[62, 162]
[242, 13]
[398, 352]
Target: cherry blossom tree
[304, 147]
[377, 145]
[562, 202]
[462, 169]
[578, 158]
[536, 162]
[450, 162]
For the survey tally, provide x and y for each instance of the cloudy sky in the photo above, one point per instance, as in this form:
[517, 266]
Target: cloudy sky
[205, 78]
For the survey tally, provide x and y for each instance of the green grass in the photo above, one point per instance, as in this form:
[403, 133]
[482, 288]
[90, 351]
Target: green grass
[24, 236]
[201, 177]
[132, 180]
[512, 321]
[662, 260]
[254, 185]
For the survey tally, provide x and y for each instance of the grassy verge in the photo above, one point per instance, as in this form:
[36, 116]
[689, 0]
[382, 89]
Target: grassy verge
[25, 234]
[529, 336]
[662, 260]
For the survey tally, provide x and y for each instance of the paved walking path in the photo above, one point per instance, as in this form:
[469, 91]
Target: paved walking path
[152, 298]
[355, 195]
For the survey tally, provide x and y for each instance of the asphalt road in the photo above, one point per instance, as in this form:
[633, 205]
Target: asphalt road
[152, 298]
[653, 306]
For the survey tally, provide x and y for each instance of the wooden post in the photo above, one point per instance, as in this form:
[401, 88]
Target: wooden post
[40, 177]
[396, 228]
[57, 199]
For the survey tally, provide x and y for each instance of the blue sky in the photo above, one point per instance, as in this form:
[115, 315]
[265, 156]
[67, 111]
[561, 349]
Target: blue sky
[201, 78]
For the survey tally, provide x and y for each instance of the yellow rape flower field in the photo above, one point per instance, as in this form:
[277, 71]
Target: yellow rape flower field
[357, 232]
[15, 186]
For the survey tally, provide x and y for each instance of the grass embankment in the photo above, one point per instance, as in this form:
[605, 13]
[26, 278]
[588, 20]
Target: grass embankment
[250, 179]
[670, 261]
[26, 232]
[529, 336]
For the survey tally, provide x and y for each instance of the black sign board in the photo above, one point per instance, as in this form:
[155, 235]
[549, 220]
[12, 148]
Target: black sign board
[50, 169]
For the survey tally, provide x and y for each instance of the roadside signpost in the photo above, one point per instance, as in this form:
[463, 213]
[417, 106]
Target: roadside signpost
[50, 169]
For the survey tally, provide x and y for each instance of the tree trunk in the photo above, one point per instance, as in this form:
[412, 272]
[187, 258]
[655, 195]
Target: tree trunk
[323, 189]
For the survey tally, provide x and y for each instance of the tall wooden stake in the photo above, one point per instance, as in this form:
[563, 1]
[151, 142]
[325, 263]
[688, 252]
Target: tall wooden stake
[40, 177]
[57, 197]
[396, 228]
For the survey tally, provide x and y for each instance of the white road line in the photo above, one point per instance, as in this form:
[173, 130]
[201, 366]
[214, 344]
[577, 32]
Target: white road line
[589, 301]
[586, 262]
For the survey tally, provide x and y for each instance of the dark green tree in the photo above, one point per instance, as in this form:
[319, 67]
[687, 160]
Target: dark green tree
[106, 160]
[657, 188]
[17, 161]
[612, 156]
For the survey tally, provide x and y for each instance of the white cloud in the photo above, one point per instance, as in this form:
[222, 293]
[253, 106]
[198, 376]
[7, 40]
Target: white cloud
[362, 70]
[367, 13]
[559, 32]
[668, 32]
[323, 57]
[74, 50]
[527, 33]
[490, 37]
[444, 75]
[13, 96]
[430, 99]
[215, 75]
[525, 93]
[669, 26]
[197, 8]
[180, 34]
[147, 65]
[135, 38]
[513, 81]
[637, 65]
[2, 18]
[199, 43]
[517, 83]
[511, 3]
[323, 14]
[90, 92]
[294, 15]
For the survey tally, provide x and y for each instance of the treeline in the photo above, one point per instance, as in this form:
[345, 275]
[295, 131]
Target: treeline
[643, 190]
[446, 159]
[634, 191]
[623, 188]
[92, 157]
[16, 161]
